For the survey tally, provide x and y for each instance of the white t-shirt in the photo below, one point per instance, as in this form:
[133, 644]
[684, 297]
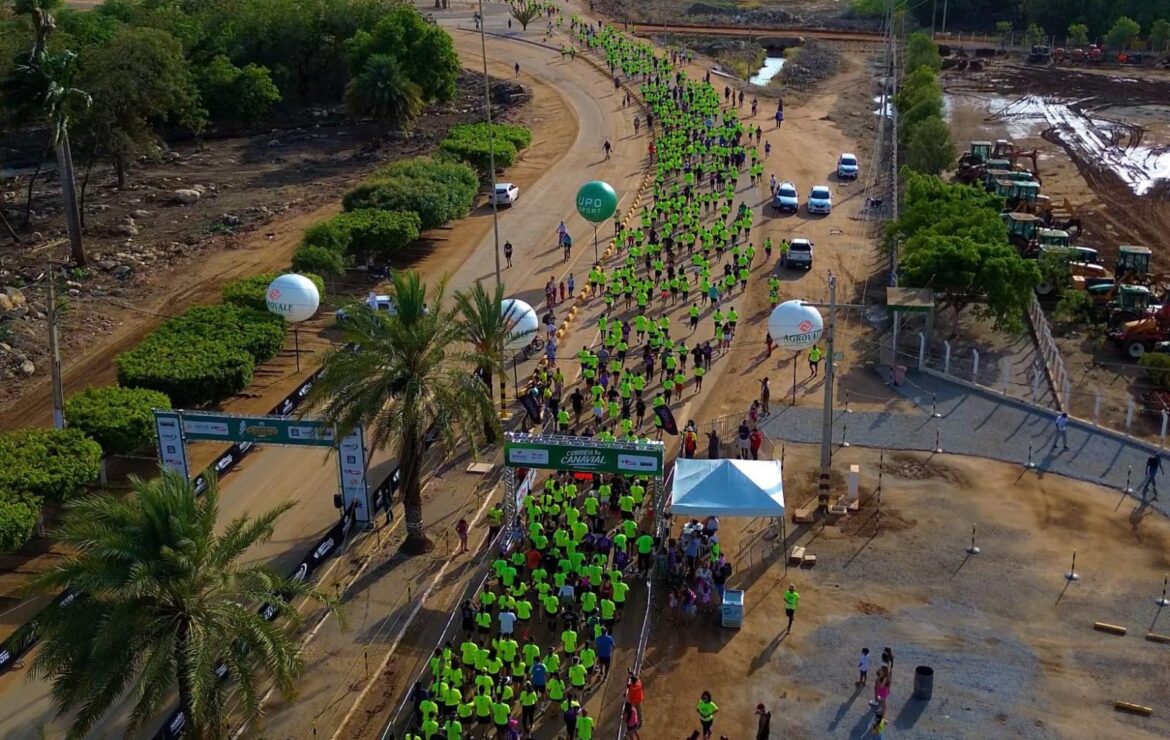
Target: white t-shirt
[507, 621]
[862, 663]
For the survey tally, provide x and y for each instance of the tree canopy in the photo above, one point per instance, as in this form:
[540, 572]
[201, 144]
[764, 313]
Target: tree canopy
[954, 242]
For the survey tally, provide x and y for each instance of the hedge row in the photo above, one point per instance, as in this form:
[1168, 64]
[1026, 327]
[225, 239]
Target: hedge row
[470, 143]
[39, 465]
[119, 419]
[203, 356]
[437, 191]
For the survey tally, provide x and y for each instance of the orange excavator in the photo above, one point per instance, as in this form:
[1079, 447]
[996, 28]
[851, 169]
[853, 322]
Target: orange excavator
[1137, 337]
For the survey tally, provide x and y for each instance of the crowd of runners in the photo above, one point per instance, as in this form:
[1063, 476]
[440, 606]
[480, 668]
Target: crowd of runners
[538, 638]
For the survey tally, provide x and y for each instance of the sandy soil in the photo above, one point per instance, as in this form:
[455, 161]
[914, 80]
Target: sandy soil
[1011, 642]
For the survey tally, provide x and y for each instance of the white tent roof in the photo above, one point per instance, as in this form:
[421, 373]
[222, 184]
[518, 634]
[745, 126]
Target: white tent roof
[727, 488]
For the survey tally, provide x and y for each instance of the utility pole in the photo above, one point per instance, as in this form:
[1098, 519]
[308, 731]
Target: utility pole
[827, 410]
[55, 352]
[830, 378]
[487, 101]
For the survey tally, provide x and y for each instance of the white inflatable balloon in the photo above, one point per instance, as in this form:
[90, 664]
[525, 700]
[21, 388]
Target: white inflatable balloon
[523, 323]
[794, 325]
[294, 297]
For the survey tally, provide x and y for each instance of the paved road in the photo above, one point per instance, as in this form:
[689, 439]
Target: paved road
[975, 423]
[275, 475]
[376, 609]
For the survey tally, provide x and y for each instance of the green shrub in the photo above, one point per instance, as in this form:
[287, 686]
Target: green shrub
[434, 203]
[1158, 367]
[203, 356]
[327, 235]
[249, 292]
[456, 176]
[477, 153]
[47, 464]
[18, 521]
[376, 234]
[121, 420]
[317, 260]
[518, 136]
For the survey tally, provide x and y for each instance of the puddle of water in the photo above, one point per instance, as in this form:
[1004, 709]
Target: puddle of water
[771, 68]
[889, 109]
[1141, 167]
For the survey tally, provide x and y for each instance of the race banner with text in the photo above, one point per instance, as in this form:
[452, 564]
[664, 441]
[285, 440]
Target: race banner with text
[581, 454]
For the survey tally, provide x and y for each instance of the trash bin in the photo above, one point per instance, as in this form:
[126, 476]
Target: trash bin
[732, 608]
[899, 374]
[923, 682]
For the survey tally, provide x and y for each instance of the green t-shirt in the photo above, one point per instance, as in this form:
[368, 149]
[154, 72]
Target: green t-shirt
[645, 544]
[707, 710]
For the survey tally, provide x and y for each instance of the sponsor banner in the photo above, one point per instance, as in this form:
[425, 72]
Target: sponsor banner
[172, 450]
[643, 458]
[351, 462]
[24, 638]
[277, 430]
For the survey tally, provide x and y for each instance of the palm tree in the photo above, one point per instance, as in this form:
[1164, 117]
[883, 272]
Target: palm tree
[404, 378]
[489, 330]
[165, 602]
[383, 91]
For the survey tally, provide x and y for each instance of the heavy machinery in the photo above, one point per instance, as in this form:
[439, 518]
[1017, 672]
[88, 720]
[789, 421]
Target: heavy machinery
[1039, 54]
[973, 161]
[1015, 191]
[1132, 260]
[1139, 336]
[1022, 229]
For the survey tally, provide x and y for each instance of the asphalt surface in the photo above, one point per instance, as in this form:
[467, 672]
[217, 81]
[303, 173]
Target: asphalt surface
[980, 424]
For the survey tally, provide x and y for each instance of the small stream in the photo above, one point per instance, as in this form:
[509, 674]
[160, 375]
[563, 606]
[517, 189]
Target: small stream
[771, 68]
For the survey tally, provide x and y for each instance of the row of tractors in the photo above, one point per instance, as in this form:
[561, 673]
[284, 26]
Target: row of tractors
[1129, 298]
[1093, 55]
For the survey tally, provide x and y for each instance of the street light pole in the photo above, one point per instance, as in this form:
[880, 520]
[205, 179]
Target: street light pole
[55, 351]
[487, 101]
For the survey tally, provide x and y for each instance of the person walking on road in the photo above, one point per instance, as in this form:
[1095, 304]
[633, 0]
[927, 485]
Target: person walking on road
[607, 147]
[706, 709]
[1153, 467]
[764, 725]
[517, 69]
[1061, 423]
[791, 599]
[462, 529]
[508, 254]
[765, 393]
[814, 359]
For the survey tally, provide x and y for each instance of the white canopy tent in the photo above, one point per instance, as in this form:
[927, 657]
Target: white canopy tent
[748, 488]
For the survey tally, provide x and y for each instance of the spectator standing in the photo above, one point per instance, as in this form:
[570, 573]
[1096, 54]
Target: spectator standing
[764, 725]
[863, 667]
[743, 439]
[1153, 467]
[1061, 423]
[756, 440]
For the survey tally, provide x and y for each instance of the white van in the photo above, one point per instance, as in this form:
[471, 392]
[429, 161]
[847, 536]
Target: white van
[847, 167]
[800, 254]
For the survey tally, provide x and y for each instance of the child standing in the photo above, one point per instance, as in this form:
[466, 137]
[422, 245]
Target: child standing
[863, 667]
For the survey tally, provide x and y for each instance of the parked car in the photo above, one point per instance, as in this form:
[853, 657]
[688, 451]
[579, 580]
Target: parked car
[820, 200]
[786, 199]
[505, 194]
[847, 167]
[374, 302]
[800, 254]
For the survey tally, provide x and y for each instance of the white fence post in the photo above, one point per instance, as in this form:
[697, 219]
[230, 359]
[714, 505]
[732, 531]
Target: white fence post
[1096, 408]
[921, 350]
[1165, 419]
[1035, 383]
[975, 366]
[1005, 375]
[1067, 394]
[947, 358]
[1128, 414]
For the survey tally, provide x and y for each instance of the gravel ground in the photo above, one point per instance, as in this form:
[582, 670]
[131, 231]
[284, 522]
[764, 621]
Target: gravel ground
[977, 423]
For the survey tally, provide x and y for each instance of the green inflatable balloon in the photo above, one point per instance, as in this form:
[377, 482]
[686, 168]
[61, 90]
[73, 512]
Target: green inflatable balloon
[596, 201]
